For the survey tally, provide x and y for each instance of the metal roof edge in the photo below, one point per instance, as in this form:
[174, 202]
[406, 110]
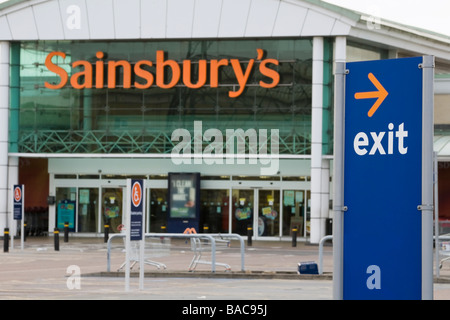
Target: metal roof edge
[348, 13]
[410, 29]
[11, 3]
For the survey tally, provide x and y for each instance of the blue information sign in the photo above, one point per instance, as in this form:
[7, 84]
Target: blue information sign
[383, 180]
[137, 210]
[18, 201]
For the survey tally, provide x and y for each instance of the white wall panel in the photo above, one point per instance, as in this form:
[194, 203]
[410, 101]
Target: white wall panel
[180, 17]
[161, 19]
[5, 33]
[206, 18]
[290, 20]
[4, 71]
[317, 24]
[22, 24]
[153, 18]
[261, 18]
[340, 28]
[233, 19]
[127, 18]
[162, 166]
[48, 21]
[101, 19]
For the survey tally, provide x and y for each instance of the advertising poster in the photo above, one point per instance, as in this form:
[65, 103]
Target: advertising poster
[184, 189]
[66, 213]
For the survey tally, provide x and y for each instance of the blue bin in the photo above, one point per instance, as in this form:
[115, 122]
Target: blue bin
[309, 267]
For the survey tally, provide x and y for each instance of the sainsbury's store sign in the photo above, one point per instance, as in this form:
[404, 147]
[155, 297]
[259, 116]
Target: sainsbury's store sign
[87, 75]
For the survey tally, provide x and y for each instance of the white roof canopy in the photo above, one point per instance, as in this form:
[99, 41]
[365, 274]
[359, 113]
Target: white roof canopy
[203, 19]
[147, 19]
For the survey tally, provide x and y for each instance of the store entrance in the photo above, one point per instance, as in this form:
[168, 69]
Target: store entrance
[296, 212]
[157, 209]
[270, 212]
[214, 210]
[112, 208]
[242, 210]
[281, 211]
[271, 208]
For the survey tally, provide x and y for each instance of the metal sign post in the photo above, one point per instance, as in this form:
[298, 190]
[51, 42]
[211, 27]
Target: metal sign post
[135, 221]
[338, 180]
[127, 238]
[427, 176]
[383, 200]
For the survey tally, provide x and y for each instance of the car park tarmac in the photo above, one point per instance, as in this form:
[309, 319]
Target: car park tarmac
[78, 272]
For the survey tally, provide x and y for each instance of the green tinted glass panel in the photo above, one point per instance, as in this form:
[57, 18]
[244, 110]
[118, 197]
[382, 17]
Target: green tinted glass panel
[133, 120]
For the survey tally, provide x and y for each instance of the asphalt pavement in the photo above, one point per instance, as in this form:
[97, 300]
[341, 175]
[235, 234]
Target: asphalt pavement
[79, 271]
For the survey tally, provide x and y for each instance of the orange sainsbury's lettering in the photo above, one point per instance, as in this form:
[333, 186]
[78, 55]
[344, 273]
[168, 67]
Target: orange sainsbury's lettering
[165, 73]
[144, 74]
[112, 68]
[242, 77]
[214, 66]
[187, 65]
[99, 70]
[85, 74]
[161, 65]
[55, 69]
[270, 73]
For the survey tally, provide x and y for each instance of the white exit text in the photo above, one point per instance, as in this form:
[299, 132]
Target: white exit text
[395, 141]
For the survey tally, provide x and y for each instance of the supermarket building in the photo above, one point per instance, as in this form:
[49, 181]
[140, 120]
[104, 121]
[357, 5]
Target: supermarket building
[232, 99]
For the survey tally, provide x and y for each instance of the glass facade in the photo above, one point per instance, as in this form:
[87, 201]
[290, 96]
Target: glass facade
[64, 101]
[122, 120]
[328, 98]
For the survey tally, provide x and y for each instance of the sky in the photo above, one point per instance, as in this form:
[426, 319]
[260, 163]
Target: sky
[433, 15]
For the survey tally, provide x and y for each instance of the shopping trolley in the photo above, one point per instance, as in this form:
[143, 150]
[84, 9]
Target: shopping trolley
[202, 245]
[154, 247]
[444, 250]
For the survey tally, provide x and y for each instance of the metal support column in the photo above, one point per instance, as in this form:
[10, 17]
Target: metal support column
[427, 177]
[4, 128]
[317, 223]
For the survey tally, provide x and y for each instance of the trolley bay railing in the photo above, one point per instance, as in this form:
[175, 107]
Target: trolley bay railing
[321, 243]
[210, 236]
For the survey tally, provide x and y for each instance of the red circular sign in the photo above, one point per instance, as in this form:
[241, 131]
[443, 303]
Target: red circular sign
[17, 194]
[136, 194]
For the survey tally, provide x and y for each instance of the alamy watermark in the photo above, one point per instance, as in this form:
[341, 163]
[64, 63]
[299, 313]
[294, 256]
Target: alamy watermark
[373, 21]
[234, 143]
[74, 279]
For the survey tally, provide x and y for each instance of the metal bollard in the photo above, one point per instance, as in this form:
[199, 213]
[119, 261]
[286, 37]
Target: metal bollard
[56, 238]
[25, 231]
[6, 240]
[106, 230]
[249, 235]
[66, 232]
[163, 230]
[294, 236]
